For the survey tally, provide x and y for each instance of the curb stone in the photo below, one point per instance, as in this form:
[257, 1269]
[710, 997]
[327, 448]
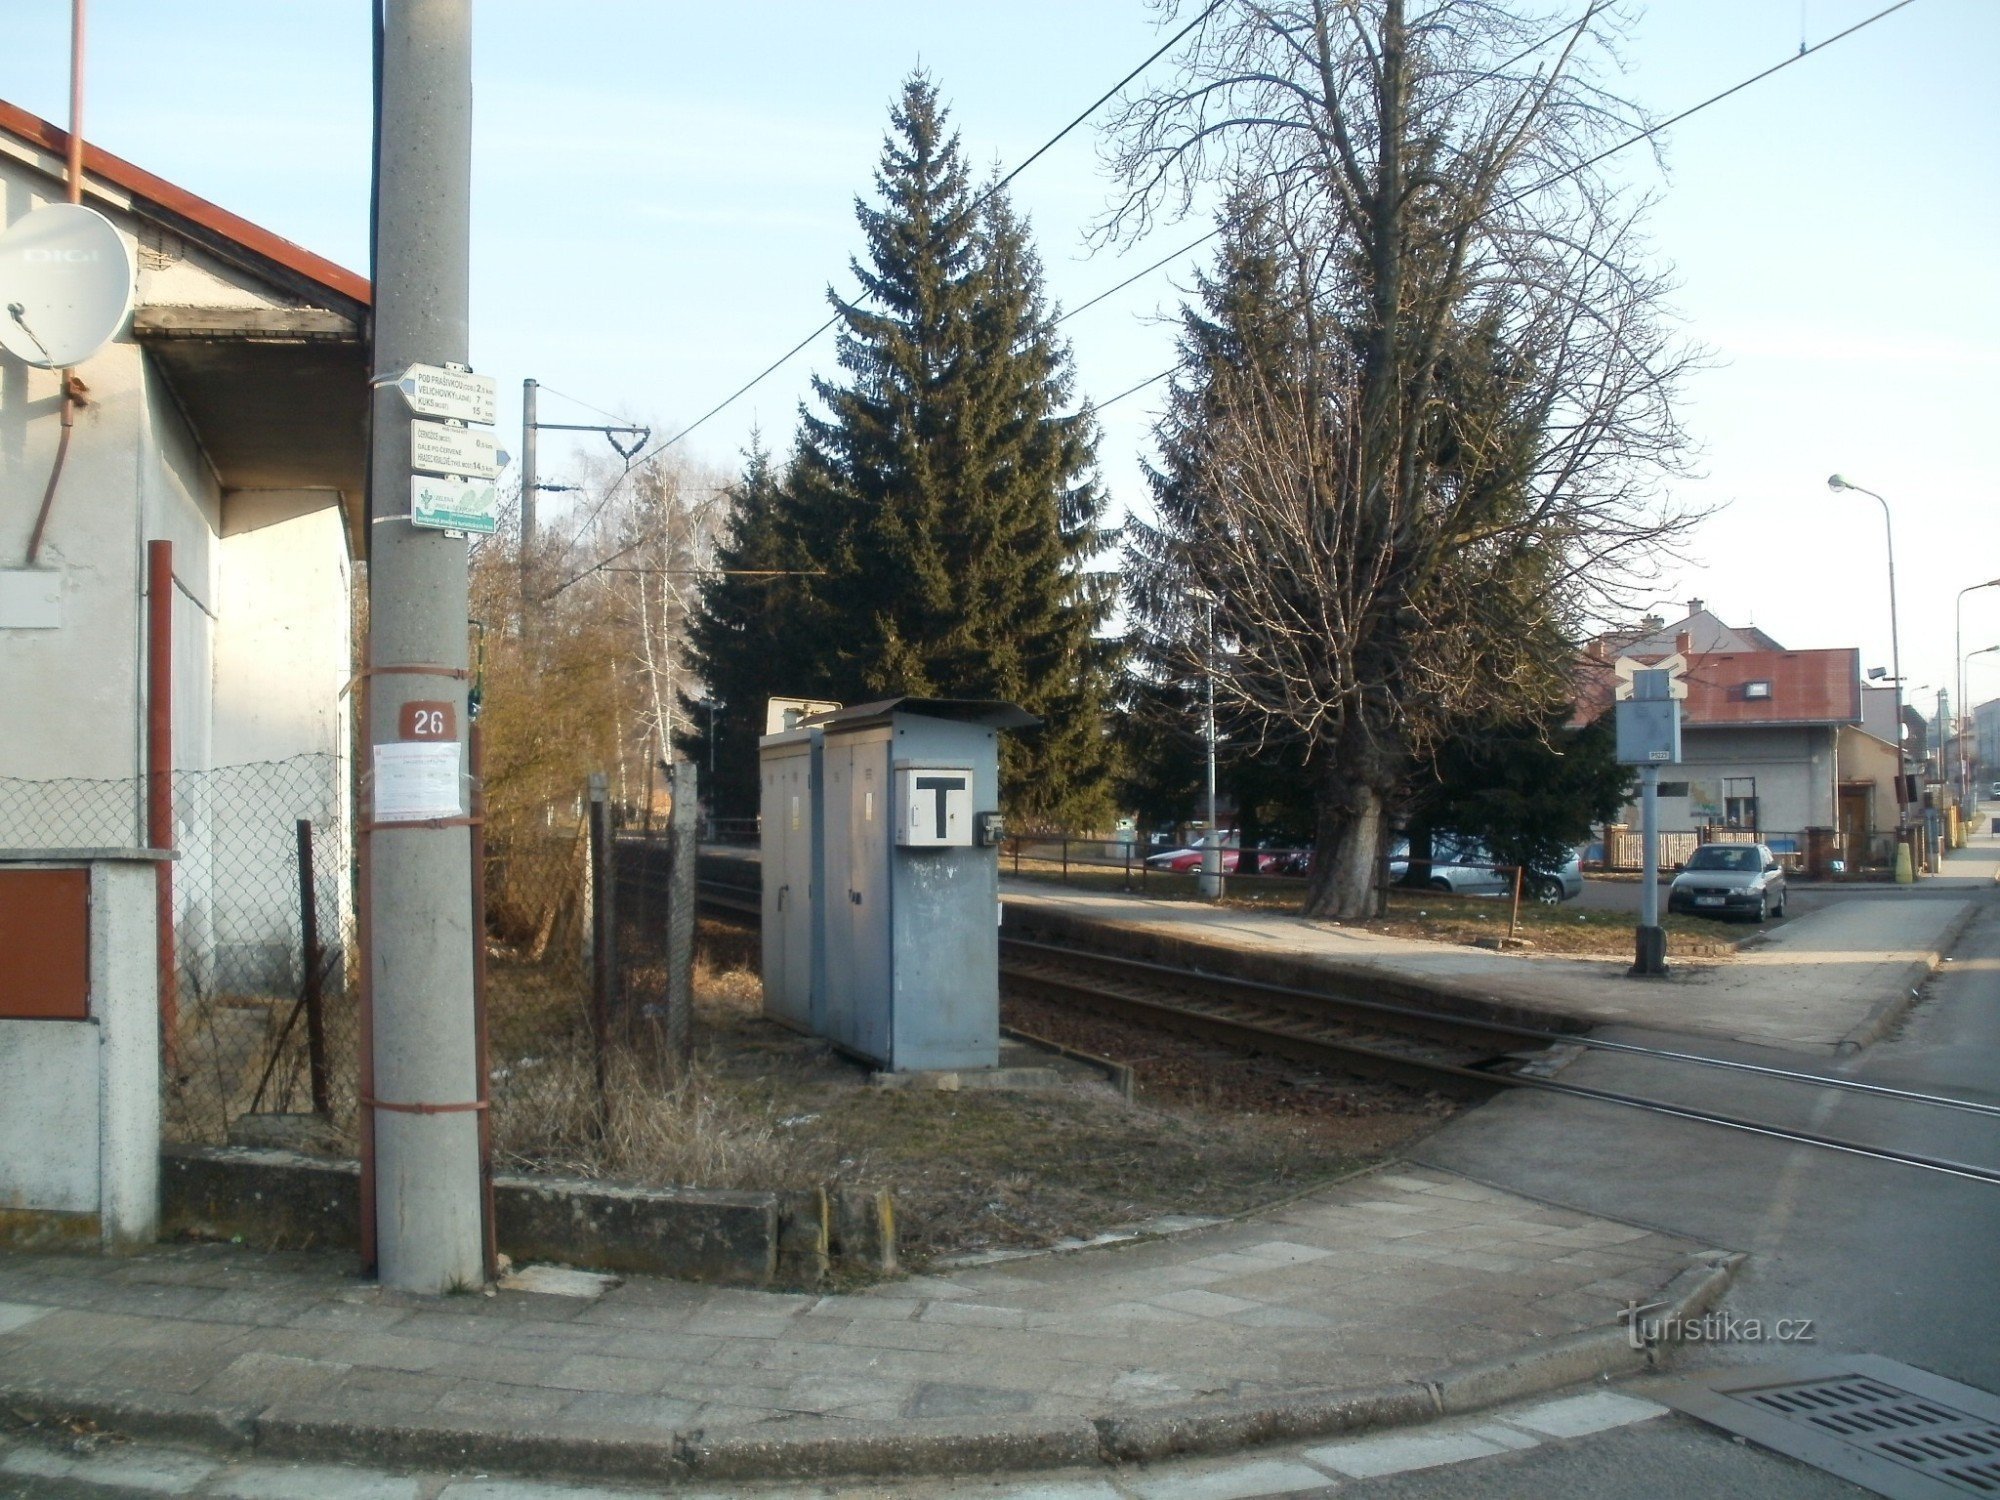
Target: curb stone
[960, 1448]
[1884, 1014]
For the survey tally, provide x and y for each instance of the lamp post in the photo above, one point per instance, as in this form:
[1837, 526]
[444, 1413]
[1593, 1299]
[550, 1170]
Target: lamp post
[1958, 655]
[1836, 483]
[1211, 854]
[1209, 881]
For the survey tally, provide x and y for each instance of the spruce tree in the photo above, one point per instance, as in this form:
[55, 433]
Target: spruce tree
[945, 493]
[744, 640]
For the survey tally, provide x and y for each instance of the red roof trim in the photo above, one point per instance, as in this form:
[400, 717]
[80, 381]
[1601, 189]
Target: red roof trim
[143, 184]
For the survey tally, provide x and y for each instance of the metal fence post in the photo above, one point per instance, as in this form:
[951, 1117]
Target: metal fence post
[475, 757]
[683, 852]
[314, 961]
[603, 919]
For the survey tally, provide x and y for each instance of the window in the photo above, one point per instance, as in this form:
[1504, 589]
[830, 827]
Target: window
[1761, 689]
[1673, 789]
[1739, 801]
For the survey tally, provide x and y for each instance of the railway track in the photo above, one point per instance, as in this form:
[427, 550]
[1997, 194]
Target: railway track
[1470, 1056]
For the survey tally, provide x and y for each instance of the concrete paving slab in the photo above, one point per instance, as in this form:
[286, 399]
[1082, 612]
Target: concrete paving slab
[260, 1481]
[1400, 1452]
[1236, 1481]
[1307, 1300]
[15, 1315]
[1579, 1416]
[155, 1471]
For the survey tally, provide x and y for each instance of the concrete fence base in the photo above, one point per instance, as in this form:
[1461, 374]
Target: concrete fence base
[286, 1200]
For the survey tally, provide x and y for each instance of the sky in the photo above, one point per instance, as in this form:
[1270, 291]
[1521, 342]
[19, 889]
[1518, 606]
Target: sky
[663, 193]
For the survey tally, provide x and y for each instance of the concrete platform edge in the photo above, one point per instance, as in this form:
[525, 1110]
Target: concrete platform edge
[1885, 1013]
[965, 1447]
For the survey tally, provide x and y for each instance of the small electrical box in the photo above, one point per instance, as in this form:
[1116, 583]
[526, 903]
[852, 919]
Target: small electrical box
[991, 830]
[934, 807]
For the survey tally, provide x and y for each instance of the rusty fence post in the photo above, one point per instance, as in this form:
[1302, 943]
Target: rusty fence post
[603, 935]
[314, 962]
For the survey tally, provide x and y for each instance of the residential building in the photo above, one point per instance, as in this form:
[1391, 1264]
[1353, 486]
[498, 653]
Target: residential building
[1773, 741]
[229, 419]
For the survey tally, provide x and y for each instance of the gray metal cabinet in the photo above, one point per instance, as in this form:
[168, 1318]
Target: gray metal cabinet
[906, 883]
[794, 953]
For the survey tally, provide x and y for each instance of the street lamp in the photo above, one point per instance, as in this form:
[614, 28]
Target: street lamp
[1836, 483]
[1209, 882]
[1958, 654]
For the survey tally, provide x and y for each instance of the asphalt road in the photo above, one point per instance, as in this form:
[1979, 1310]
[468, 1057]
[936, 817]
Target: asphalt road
[1885, 1259]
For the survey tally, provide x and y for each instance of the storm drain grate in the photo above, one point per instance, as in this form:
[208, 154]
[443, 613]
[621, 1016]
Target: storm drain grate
[1888, 1427]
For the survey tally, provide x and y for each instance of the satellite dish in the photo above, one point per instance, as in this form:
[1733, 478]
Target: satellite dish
[66, 279]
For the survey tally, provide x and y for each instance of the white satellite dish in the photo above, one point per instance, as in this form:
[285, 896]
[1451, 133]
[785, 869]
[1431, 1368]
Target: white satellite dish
[66, 278]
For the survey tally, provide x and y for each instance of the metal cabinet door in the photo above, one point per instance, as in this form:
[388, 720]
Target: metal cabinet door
[871, 973]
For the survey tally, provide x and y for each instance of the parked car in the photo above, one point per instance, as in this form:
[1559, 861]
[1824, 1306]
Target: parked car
[1182, 860]
[1465, 867]
[1743, 880]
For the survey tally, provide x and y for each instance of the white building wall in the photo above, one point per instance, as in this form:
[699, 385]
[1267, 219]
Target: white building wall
[260, 621]
[283, 662]
[1793, 768]
[280, 722]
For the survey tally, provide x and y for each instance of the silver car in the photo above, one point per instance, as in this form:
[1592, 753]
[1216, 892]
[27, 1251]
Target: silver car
[1729, 880]
[1464, 867]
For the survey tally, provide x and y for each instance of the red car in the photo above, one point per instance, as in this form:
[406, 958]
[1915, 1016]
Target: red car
[1189, 860]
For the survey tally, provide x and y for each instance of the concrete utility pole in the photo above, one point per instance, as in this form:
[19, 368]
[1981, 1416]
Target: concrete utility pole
[530, 478]
[427, 1183]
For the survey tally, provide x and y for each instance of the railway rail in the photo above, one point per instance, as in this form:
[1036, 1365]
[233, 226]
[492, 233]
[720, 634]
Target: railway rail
[1474, 1056]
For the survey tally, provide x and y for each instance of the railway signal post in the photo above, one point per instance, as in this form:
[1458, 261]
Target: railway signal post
[1649, 736]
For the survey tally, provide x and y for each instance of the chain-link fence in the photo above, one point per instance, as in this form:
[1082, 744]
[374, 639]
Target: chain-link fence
[267, 972]
[543, 1055]
[265, 978]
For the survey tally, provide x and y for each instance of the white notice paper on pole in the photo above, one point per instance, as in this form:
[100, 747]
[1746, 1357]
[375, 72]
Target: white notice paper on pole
[415, 782]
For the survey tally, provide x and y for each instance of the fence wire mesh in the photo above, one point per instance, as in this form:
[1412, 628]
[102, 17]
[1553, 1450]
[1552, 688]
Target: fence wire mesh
[262, 1026]
[267, 975]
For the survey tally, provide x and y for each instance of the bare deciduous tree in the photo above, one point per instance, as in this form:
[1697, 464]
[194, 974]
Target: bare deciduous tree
[1404, 501]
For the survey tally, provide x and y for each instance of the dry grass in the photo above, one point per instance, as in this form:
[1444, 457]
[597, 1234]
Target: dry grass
[680, 1133]
[695, 1130]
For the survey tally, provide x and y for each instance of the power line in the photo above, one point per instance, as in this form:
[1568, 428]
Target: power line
[978, 203]
[579, 401]
[1135, 389]
[1174, 255]
[755, 380]
[1548, 182]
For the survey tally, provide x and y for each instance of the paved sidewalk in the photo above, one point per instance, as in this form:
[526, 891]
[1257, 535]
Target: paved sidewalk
[1387, 1279]
[1815, 982]
[1318, 1467]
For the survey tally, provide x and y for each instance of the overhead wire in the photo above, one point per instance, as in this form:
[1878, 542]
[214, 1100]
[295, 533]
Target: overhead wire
[979, 202]
[1195, 244]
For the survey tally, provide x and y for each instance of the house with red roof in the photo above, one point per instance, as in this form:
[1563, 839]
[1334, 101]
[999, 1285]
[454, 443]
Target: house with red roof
[1772, 741]
[229, 418]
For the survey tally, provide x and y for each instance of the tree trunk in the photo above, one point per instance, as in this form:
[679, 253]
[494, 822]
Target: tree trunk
[1421, 851]
[1347, 846]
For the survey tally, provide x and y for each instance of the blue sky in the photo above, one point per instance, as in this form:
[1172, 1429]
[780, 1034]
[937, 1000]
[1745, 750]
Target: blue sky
[664, 191]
